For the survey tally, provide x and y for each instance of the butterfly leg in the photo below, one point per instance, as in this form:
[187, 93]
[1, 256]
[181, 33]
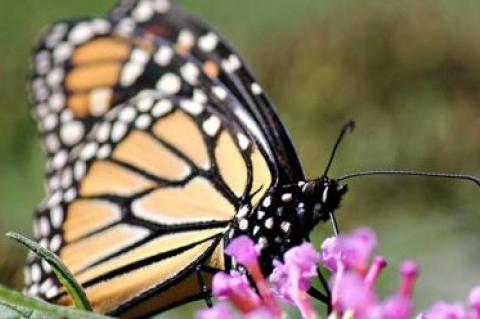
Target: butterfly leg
[205, 290]
[315, 293]
[324, 297]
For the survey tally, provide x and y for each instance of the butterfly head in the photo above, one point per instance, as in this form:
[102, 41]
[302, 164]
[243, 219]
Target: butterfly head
[323, 196]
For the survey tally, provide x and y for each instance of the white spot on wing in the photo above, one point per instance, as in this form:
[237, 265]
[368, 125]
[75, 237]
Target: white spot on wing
[256, 88]
[231, 64]
[164, 55]
[143, 11]
[56, 101]
[46, 284]
[88, 151]
[103, 132]
[100, 101]
[52, 292]
[56, 216]
[130, 73]
[70, 195]
[162, 107]
[100, 26]
[243, 211]
[67, 177]
[55, 77]
[191, 107]
[186, 38]
[190, 73]
[243, 141]
[247, 120]
[208, 42]
[211, 125]
[127, 114]
[169, 83]
[55, 243]
[50, 122]
[62, 52]
[72, 132]
[143, 121]
[220, 92]
[36, 273]
[118, 131]
[80, 33]
[104, 151]
[33, 290]
[140, 56]
[145, 104]
[60, 159]
[161, 6]
[199, 96]
[79, 170]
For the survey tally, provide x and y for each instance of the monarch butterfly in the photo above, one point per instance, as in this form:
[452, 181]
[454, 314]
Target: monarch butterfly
[161, 148]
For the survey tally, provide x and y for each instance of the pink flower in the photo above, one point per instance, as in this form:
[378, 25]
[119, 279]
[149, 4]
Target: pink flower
[245, 253]
[379, 263]
[474, 300]
[351, 293]
[409, 272]
[352, 284]
[350, 251]
[395, 307]
[292, 279]
[260, 313]
[236, 288]
[243, 250]
[219, 311]
[443, 310]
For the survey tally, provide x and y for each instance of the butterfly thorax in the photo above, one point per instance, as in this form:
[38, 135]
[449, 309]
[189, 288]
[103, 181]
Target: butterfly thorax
[287, 215]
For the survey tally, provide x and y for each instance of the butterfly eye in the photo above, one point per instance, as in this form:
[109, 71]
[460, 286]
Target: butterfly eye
[342, 189]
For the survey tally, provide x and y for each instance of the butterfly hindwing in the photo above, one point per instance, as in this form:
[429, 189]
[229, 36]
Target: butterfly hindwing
[154, 190]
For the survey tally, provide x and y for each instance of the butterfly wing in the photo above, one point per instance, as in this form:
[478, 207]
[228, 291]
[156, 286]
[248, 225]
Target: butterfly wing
[192, 37]
[148, 196]
[154, 181]
[81, 69]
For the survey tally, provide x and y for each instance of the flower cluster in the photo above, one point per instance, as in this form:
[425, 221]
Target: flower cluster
[354, 278]
[352, 284]
[442, 310]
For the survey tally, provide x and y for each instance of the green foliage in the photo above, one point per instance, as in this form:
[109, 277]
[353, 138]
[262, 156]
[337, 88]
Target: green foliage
[16, 305]
[67, 279]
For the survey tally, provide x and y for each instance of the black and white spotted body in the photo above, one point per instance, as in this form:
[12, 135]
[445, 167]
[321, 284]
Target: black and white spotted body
[287, 215]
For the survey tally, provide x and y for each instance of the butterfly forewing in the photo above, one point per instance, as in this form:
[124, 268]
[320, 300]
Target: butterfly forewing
[164, 20]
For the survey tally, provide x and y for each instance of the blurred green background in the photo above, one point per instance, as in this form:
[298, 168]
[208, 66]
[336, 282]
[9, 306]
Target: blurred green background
[407, 71]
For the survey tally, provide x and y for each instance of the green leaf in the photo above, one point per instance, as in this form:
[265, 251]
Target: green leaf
[16, 305]
[75, 290]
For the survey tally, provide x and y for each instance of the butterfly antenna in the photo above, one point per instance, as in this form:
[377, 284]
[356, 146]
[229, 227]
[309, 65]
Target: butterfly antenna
[464, 177]
[347, 128]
